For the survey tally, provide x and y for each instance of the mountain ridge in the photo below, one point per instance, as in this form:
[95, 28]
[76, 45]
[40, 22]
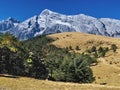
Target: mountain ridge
[7, 24]
[49, 22]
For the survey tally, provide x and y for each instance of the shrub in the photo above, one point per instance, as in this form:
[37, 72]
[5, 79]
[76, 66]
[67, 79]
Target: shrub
[93, 49]
[70, 47]
[77, 48]
[101, 52]
[113, 47]
[96, 54]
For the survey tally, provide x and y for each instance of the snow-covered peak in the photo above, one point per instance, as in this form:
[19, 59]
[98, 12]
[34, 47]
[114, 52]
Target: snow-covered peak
[86, 16]
[7, 24]
[48, 22]
[13, 20]
[46, 12]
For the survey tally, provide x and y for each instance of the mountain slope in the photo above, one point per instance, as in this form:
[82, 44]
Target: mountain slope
[108, 68]
[107, 75]
[5, 25]
[86, 41]
[49, 22]
[83, 40]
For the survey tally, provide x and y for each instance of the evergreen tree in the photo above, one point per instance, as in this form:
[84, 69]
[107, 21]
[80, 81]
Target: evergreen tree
[114, 47]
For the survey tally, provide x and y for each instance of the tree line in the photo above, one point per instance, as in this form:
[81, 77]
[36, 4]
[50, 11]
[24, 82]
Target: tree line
[39, 59]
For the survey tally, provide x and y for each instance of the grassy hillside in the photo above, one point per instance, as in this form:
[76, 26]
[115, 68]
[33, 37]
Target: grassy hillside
[23, 83]
[86, 41]
[60, 62]
[108, 69]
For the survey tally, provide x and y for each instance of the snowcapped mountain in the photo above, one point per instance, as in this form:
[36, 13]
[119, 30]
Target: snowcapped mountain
[5, 25]
[49, 22]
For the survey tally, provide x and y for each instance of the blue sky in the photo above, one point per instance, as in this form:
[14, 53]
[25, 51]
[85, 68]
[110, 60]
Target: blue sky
[23, 9]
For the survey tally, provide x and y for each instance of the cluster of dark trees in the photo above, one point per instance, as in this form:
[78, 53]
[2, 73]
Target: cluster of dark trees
[39, 59]
[11, 59]
[101, 51]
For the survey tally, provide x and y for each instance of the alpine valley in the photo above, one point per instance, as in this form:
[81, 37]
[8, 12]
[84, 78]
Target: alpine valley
[49, 22]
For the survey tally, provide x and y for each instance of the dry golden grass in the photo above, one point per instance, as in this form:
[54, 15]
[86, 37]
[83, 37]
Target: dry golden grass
[86, 41]
[83, 40]
[106, 72]
[108, 69]
[33, 84]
